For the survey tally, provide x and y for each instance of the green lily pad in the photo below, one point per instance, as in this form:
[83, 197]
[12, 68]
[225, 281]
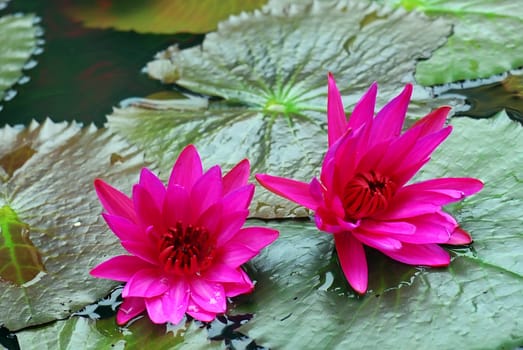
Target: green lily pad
[52, 233]
[159, 16]
[18, 40]
[83, 333]
[270, 69]
[486, 39]
[302, 301]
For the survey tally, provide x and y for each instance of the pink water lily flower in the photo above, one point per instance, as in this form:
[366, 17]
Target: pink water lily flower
[363, 196]
[185, 241]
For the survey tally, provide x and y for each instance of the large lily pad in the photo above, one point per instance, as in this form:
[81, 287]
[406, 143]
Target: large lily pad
[486, 39]
[18, 37]
[159, 16]
[302, 301]
[52, 233]
[270, 68]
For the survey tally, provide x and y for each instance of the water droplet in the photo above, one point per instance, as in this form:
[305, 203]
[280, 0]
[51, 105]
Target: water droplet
[30, 64]
[9, 95]
[23, 80]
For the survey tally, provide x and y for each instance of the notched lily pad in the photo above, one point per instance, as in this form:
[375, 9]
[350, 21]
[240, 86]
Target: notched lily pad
[20, 260]
[270, 70]
[486, 39]
[50, 196]
[158, 16]
[18, 40]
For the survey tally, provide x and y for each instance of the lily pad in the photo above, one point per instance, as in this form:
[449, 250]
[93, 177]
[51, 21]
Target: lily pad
[302, 301]
[486, 39]
[270, 70]
[18, 40]
[158, 16]
[83, 333]
[52, 233]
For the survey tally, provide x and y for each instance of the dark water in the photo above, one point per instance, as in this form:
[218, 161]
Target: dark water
[82, 73]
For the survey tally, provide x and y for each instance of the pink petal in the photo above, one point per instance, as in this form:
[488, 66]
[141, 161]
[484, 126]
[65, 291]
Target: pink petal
[432, 122]
[187, 169]
[389, 120]
[236, 254]
[444, 190]
[130, 308]
[353, 261]
[124, 228]
[337, 121]
[256, 238]
[293, 190]
[146, 283]
[120, 268]
[316, 189]
[241, 287]
[420, 254]
[153, 185]
[145, 250]
[220, 272]
[198, 313]
[459, 237]
[387, 227]
[148, 213]
[155, 311]
[210, 296]
[238, 199]
[237, 176]
[376, 241]
[230, 225]
[212, 218]
[114, 201]
[205, 192]
[176, 300]
[176, 205]
[363, 112]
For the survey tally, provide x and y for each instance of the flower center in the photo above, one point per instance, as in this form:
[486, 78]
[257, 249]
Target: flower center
[367, 193]
[186, 250]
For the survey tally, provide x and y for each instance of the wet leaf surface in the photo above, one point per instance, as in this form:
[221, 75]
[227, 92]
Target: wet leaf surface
[158, 16]
[18, 40]
[269, 69]
[486, 39]
[20, 261]
[50, 197]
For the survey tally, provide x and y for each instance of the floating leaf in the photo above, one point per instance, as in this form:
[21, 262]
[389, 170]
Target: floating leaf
[48, 195]
[270, 67]
[158, 16]
[18, 41]
[82, 333]
[20, 261]
[486, 40]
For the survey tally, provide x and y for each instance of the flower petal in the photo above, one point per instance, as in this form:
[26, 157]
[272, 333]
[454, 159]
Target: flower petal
[206, 191]
[187, 169]
[176, 300]
[130, 308]
[256, 238]
[176, 205]
[148, 213]
[389, 120]
[387, 227]
[363, 112]
[293, 190]
[236, 254]
[145, 250]
[420, 254]
[120, 268]
[199, 314]
[153, 185]
[124, 228]
[237, 176]
[337, 120]
[459, 237]
[442, 191]
[230, 225]
[377, 241]
[155, 311]
[210, 296]
[352, 260]
[432, 122]
[238, 199]
[237, 288]
[220, 272]
[114, 201]
[146, 283]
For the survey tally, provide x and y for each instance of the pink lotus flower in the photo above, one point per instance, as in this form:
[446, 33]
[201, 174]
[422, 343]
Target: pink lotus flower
[186, 241]
[362, 196]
